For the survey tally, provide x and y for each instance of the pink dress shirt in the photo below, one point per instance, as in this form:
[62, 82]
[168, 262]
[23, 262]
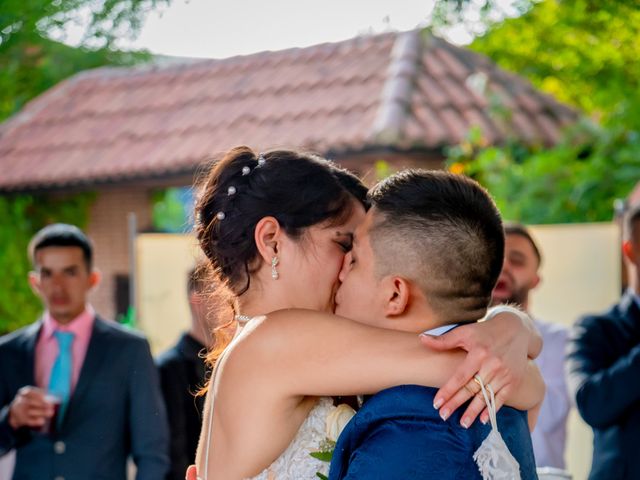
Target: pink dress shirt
[47, 346]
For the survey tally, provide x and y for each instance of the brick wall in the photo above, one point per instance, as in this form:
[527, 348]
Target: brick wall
[108, 228]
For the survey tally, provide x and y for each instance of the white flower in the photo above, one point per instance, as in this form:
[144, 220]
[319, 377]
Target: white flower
[337, 420]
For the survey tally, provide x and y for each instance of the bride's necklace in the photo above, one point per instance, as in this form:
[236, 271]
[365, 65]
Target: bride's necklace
[242, 319]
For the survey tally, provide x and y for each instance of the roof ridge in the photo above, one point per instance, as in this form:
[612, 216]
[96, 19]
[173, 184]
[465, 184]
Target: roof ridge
[176, 65]
[406, 54]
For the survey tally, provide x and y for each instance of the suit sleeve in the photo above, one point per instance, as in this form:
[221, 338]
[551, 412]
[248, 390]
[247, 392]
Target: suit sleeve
[603, 393]
[9, 438]
[172, 381]
[147, 417]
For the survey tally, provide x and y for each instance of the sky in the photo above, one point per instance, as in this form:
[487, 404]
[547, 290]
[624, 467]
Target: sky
[224, 28]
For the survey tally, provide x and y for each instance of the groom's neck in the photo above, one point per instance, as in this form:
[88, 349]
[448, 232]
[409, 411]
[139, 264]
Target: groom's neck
[416, 319]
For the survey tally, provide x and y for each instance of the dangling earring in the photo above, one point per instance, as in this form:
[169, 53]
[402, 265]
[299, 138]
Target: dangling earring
[274, 272]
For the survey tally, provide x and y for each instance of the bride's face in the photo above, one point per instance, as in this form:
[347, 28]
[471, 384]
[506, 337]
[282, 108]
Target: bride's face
[313, 266]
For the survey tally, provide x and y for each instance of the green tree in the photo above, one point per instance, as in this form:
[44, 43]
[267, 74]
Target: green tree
[31, 62]
[584, 53]
[576, 181]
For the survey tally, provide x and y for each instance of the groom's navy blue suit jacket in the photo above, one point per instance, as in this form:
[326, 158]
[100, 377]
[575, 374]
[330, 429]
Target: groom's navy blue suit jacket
[398, 434]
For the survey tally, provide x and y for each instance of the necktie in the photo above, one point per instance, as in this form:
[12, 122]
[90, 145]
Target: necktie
[60, 381]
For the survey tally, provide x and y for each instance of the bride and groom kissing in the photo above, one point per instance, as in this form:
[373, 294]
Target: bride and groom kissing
[295, 238]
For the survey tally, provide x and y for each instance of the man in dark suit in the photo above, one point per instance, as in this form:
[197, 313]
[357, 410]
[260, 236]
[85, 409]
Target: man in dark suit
[183, 372]
[78, 394]
[603, 367]
[426, 257]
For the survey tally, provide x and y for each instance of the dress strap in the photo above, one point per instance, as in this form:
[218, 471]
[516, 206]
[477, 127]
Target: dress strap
[210, 423]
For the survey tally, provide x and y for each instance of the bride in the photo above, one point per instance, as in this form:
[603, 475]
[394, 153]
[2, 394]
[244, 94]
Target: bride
[275, 229]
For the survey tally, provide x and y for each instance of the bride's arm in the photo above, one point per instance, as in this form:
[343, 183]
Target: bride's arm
[301, 352]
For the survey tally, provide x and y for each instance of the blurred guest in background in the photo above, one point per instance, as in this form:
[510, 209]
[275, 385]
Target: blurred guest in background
[183, 372]
[603, 365]
[78, 394]
[519, 276]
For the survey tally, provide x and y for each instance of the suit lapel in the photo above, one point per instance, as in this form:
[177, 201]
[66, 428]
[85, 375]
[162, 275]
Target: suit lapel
[96, 353]
[30, 339]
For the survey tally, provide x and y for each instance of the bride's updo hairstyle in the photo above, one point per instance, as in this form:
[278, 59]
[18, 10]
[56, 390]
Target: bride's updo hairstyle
[297, 189]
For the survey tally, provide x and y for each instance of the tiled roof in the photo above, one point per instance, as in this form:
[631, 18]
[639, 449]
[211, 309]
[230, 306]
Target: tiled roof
[404, 91]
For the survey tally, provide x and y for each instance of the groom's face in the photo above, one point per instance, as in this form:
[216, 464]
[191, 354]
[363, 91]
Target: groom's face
[358, 297]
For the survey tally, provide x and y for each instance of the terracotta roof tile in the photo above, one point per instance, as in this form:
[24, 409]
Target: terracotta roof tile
[432, 92]
[406, 90]
[434, 131]
[451, 63]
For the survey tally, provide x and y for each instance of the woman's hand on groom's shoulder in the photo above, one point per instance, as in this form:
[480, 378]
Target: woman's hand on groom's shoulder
[497, 352]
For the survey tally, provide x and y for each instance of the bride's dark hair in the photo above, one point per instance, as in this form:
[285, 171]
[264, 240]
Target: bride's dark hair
[299, 190]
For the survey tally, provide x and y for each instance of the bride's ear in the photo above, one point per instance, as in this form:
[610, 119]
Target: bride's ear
[267, 236]
[397, 296]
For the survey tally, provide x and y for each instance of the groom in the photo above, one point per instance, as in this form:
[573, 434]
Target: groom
[426, 257]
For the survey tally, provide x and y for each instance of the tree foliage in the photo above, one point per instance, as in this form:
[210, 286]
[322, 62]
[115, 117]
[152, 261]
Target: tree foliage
[584, 53]
[31, 62]
[576, 181]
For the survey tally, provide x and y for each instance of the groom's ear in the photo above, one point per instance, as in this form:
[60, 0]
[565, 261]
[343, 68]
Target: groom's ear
[397, 290]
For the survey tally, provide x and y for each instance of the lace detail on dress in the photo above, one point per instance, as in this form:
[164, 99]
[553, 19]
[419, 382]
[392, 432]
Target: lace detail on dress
[296, 463]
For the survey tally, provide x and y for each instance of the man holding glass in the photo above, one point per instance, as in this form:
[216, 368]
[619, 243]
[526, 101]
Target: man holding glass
[78, 394]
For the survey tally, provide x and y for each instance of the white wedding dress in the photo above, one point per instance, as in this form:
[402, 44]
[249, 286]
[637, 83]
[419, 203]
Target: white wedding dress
[296, 462]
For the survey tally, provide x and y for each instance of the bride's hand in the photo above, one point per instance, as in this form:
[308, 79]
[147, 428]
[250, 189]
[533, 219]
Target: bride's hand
[498, 351]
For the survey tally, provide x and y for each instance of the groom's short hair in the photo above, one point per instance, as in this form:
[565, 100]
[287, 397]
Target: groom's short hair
[444, 233]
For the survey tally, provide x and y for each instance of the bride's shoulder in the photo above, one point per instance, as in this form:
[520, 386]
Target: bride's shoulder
[275, 333]
[294, 319]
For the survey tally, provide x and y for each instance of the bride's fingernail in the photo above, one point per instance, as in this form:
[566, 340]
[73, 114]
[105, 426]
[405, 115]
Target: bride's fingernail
[444, 414]
[437, 403]
[484, 420]
[465, 422]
